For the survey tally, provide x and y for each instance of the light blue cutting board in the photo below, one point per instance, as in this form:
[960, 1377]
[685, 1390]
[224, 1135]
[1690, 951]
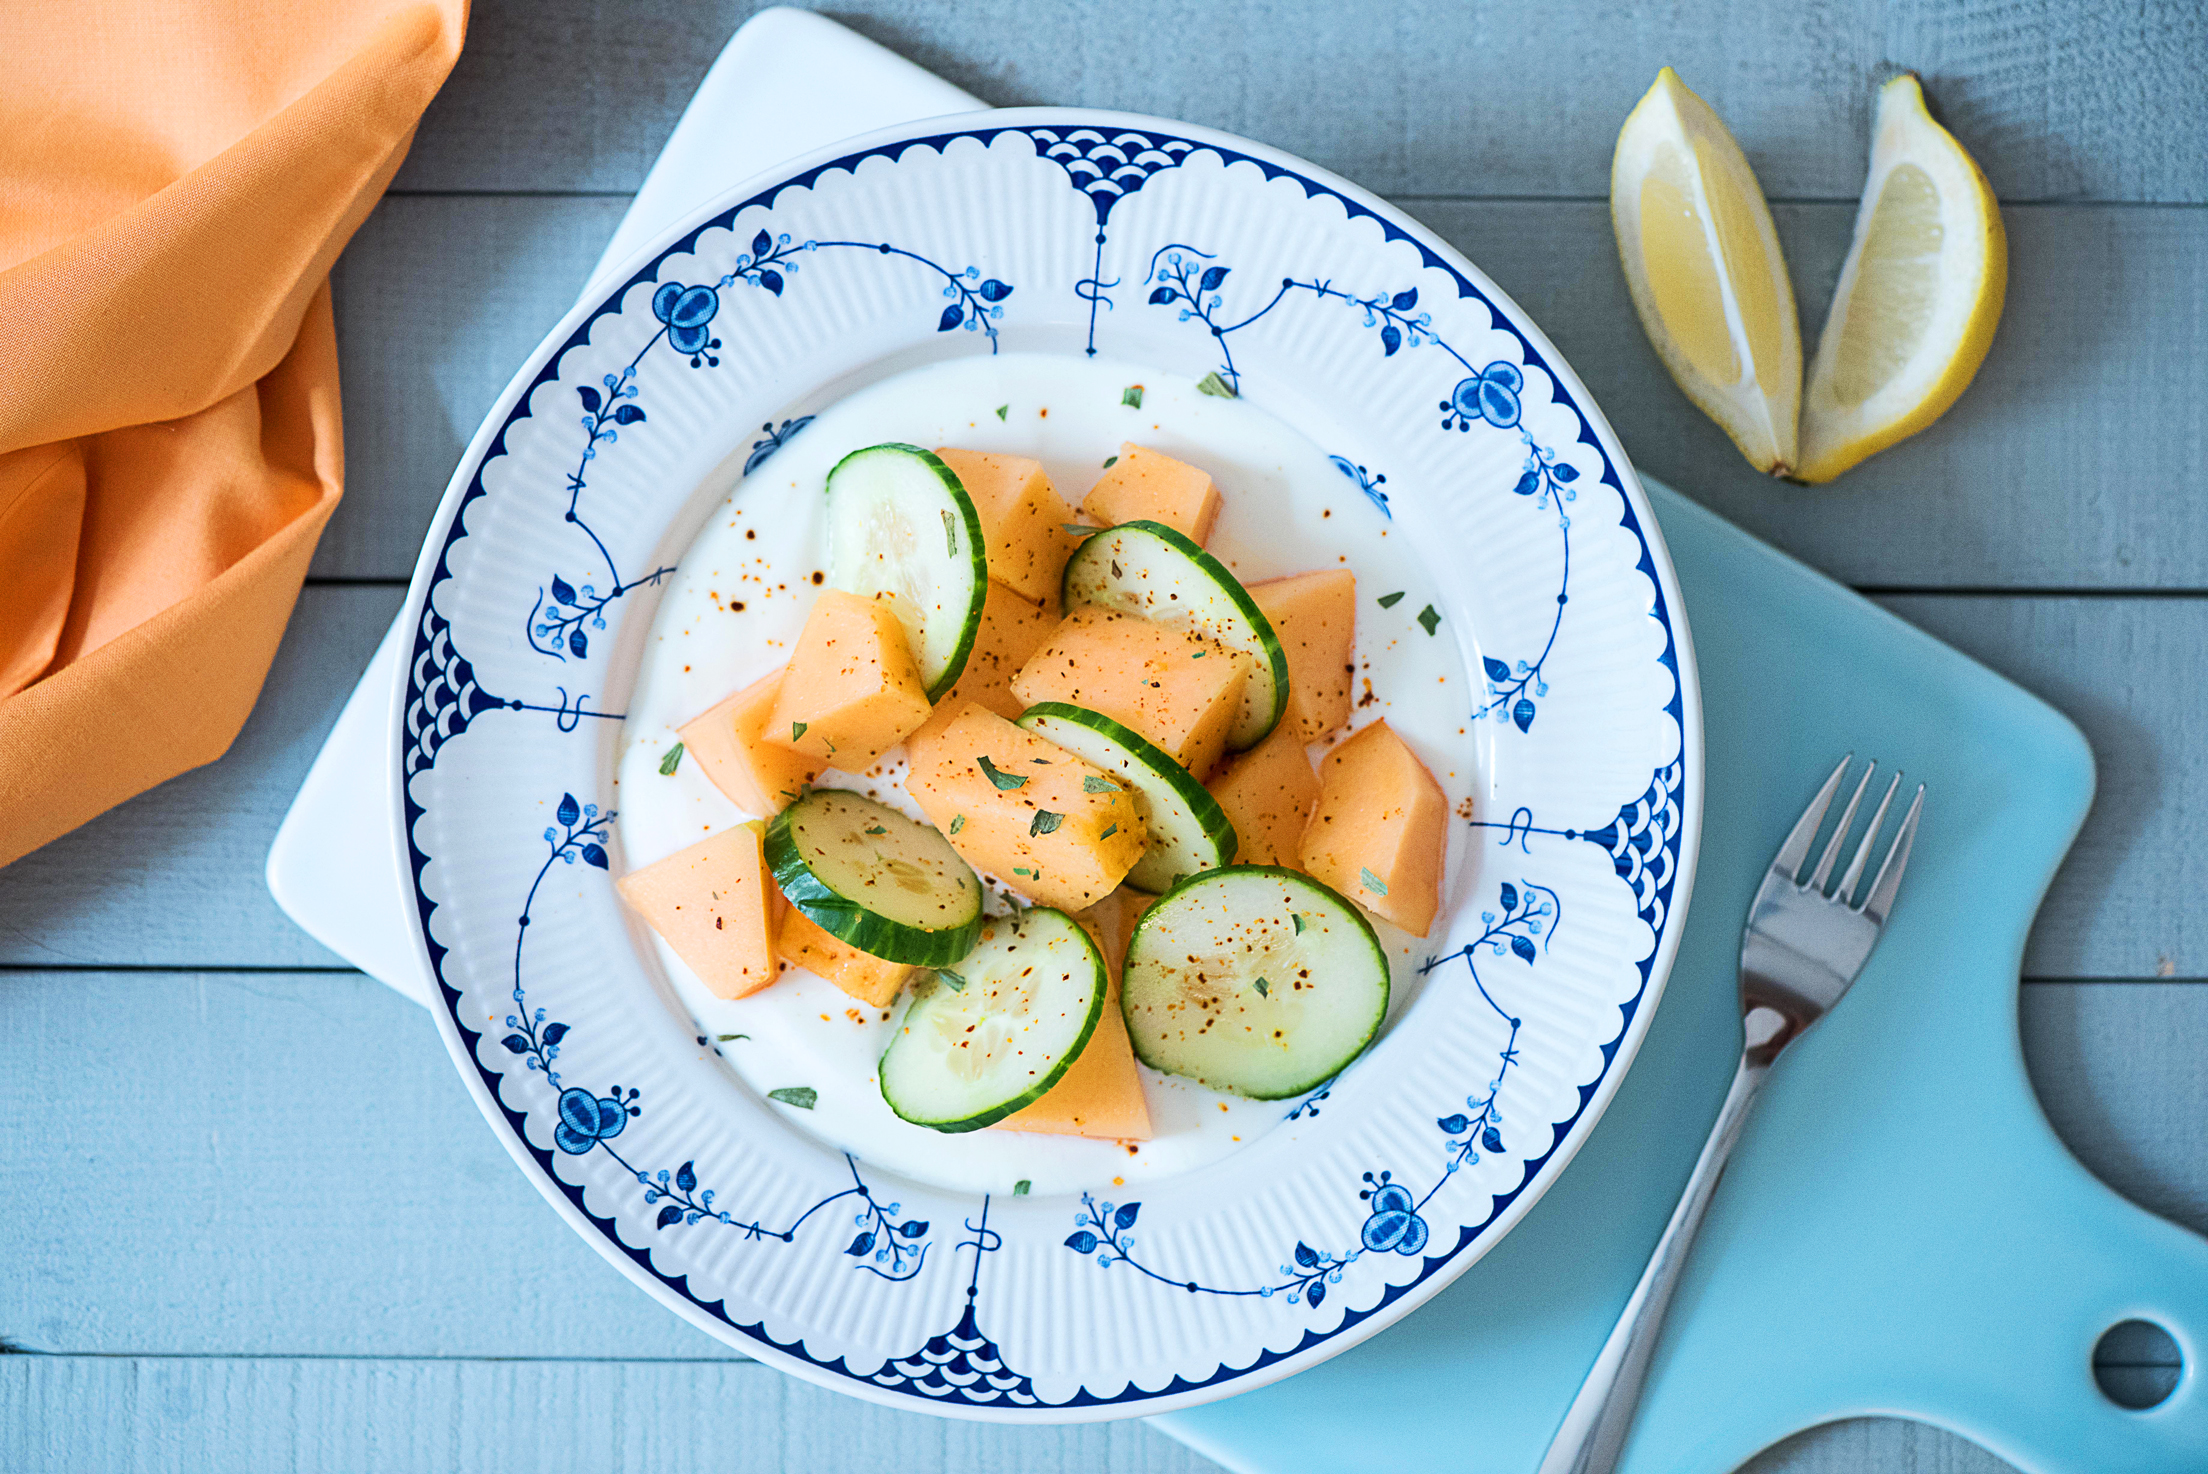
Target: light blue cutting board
[1900, 1233]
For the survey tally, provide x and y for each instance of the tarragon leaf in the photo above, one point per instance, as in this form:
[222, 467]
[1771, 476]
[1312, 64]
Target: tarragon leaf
[804, 1097]
[1005, 781]
[671, 761]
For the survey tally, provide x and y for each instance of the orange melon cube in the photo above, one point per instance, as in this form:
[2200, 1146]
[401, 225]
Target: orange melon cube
[1100, 1094]
[1380, 829]
[1012, 629]
[1171, 683]
[1023, 520]
[713, 903]
[1315, 615]
[1047, 824]
[870, 979]
[1144, 486]
[728, 744]
[1268, 793]
[852, 690]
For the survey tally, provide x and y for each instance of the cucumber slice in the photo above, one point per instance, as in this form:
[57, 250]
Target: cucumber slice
[1149, 569]
[900, 523]
[982, 1039]
[1254, 980]
[1189, 832]
[869, 876]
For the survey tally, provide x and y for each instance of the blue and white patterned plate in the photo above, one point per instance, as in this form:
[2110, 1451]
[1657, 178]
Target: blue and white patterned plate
[1075, 232]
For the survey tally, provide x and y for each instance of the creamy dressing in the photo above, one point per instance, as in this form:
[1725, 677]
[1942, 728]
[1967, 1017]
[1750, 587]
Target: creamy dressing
[734, 607]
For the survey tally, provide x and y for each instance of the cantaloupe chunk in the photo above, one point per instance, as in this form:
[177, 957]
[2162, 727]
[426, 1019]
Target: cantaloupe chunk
[727, 741]
[1315, 615]
[852, 690]
[1100, 1093]
[713, 903]
[1268, 793]
[1027, 811]
[1171, 683]
[870, 979]
[1023, 520]
[1012, 629]
[1144, 486]
[1380, 828]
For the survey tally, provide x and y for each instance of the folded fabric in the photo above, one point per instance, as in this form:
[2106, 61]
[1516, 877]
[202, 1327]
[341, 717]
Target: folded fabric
[175, 184]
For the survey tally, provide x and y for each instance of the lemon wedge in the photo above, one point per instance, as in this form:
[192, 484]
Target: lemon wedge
[1702, 261]
[1918, 297]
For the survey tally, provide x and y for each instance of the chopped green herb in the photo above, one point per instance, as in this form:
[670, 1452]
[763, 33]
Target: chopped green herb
[1001, 409]
[1263, 991]
[1131, 396]
[1199, 655]
[1045, 822]
[1081, 529]
[1097, 783]
[1115, 569]
[1110, 461]
[956, 981]
[671, 761]
[1429, 618]
[1022, 870]
[1043, 762]
[1215, 386]
[1019, 1189]
[1389, 601]
[730, 1038]
[1297, 918]
[804, 1097]
[876, 829]
[1109, 831]
[1373, 882]
[958, 822]
[950, 532]
[797, 730]
[1004, 781]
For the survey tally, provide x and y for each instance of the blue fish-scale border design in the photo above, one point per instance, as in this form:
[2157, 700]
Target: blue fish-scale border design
[1657, 903]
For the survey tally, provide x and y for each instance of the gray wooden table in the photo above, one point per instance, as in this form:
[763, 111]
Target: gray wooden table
[252, 1220]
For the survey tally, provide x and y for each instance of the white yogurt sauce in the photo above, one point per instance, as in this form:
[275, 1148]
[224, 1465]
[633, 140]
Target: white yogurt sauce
[735, 605]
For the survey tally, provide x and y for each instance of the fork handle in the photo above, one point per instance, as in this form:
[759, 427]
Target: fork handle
[1593, 1432]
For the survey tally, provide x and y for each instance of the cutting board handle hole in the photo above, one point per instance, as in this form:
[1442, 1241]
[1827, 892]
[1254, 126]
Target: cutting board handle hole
[2137, 1364]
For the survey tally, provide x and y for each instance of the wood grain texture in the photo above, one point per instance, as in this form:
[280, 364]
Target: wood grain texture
[174, 878]
[1425, 96]
[151, 1415]
[2069, 464]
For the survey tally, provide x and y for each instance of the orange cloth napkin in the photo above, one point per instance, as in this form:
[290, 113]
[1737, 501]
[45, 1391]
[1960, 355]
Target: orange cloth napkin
[176, 177]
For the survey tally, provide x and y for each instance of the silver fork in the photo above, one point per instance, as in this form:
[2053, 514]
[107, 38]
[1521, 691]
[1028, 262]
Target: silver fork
[1801, 950]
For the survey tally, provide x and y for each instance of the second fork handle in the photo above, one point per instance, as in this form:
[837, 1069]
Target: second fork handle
[1593, 1431]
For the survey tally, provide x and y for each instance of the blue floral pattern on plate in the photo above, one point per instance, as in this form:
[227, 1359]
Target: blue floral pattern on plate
[694, 310]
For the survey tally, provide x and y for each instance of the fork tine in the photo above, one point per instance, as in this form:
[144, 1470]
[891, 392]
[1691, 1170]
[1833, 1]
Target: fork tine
[1845, 891]
[1796, 849]
[1840, 831]
[1881, 898]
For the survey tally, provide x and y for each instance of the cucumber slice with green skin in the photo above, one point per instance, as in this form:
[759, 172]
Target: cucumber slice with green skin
[868, 875]
[900, 523]
[1255, 980]
[1149, 569]
[982, 1039]
[1189, 832]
